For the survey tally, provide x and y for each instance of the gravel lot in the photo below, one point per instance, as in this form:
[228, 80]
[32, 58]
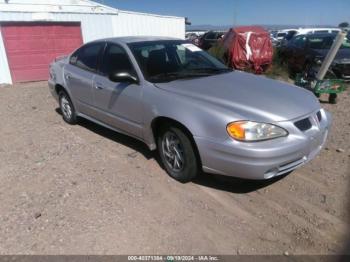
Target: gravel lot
[87, 190]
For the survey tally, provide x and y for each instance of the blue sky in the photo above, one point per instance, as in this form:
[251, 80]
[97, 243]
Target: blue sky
[226, 12]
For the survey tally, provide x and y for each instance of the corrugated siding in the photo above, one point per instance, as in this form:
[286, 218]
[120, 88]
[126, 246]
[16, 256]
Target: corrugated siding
[5, 75]
[142, 24]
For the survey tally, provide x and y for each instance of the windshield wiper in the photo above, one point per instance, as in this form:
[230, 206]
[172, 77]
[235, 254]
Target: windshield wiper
[212, 70]
[171, 76]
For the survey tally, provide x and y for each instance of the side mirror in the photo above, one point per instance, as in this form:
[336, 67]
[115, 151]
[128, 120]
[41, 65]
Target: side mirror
[123, 77]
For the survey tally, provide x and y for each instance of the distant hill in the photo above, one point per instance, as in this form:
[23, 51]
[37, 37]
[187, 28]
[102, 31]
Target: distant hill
[268, 27]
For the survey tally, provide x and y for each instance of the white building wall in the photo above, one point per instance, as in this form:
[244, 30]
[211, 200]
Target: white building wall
[95, 23]
[129, 23]
[5, 75]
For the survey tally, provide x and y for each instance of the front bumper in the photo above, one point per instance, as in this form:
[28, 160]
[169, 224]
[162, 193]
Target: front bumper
[265, 159]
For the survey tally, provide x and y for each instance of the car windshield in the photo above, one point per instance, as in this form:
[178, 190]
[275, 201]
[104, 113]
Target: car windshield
[169, 60]
[325, 42]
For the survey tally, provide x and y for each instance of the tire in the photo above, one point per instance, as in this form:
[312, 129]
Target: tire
[183, 168]
[332, 99]
[67, 108]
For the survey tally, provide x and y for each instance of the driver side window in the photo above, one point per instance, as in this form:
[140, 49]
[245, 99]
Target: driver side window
[115, 59]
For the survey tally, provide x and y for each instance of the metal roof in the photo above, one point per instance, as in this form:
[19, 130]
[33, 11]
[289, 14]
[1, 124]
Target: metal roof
[64, 6]
[135, 39]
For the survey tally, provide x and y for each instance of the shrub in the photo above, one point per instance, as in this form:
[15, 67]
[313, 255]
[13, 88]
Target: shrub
[219, 51]
[278, 69]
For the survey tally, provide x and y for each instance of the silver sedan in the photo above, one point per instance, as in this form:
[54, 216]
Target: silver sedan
[199, 114]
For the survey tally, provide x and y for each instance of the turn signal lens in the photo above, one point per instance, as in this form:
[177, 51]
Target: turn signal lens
[236, 130]
[253, 131]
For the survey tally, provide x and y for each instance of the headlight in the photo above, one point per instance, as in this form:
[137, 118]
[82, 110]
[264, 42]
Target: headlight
[252, 131]
[318, 60]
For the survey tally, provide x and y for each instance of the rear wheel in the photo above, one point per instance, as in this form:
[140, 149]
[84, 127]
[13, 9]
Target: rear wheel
[333, 98]
[177, 154]
[67, 108]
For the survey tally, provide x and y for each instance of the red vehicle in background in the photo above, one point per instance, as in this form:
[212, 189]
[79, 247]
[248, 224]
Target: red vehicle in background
[248, 47]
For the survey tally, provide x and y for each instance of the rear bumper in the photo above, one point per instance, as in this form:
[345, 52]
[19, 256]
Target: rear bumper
[263, 160]
[342, 71]
[52, 89]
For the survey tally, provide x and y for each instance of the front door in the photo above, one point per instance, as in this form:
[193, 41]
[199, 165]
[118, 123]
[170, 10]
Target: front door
[118, 104]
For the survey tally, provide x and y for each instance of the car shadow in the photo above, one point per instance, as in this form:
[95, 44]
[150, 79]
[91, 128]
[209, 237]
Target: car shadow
[119, 138]
[233, 184]
[219, 182]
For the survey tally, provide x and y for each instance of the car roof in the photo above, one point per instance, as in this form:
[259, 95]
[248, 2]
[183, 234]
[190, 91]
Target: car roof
[135, 39]
[317, 35]
[301, 30]
[321, 35]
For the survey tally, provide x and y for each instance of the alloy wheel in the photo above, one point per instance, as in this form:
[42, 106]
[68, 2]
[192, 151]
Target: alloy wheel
[66, 107]
[173, 152]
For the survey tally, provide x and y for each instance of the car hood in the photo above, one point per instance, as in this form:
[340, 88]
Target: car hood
[249, 96]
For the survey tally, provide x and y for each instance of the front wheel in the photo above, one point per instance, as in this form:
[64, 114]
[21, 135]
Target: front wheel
[177, 154]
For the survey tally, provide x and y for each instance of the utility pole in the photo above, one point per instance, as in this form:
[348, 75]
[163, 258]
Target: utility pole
[235, 6]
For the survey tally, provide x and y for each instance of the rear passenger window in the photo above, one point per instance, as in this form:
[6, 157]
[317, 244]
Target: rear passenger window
[87, 56]
[73, 58]
[115, 59]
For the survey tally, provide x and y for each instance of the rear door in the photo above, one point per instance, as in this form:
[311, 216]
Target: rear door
[118, 104]
[79, 75]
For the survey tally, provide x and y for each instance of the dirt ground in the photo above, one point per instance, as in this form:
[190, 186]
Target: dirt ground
[84, 189]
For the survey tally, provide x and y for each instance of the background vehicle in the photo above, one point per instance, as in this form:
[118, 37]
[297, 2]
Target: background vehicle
[317, 30]
[200, 114]
[305, 31]
[193, 37]
[254, 54]
[281, 34]
[209, 39]
[305, 50]
[273, 36]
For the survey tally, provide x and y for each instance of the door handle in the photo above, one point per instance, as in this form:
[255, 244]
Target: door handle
[98, 86]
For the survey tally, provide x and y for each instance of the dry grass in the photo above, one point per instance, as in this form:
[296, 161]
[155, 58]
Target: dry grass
[277, 70]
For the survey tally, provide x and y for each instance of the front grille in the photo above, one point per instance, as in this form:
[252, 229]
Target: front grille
[319, 116]
[304, 124]
[285, 168]
[290, 166]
